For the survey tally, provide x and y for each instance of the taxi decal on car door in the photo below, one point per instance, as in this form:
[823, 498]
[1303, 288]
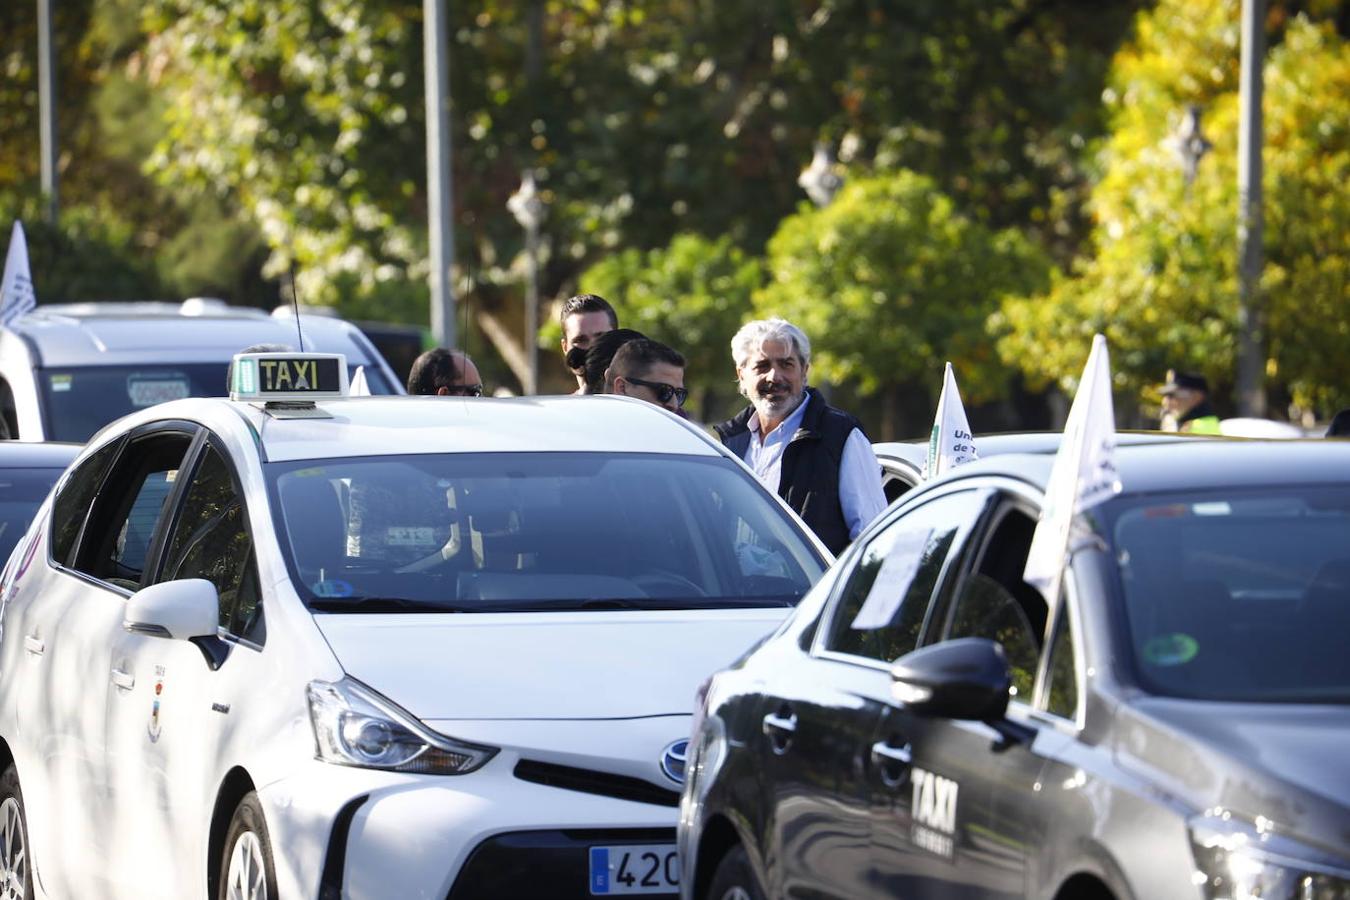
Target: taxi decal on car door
[153, 730]
[933, 812]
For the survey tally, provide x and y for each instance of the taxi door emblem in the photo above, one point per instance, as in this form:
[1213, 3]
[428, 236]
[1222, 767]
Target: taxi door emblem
[153, 729]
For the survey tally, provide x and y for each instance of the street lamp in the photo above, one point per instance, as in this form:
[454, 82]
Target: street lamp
[820, 180]
[528, 208]
[1190, 143]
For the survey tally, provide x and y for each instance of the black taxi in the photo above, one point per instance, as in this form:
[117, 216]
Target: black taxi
[1175, 725]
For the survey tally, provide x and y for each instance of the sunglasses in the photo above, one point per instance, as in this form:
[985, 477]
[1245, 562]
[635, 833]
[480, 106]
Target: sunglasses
[662, 390]
[465, 390]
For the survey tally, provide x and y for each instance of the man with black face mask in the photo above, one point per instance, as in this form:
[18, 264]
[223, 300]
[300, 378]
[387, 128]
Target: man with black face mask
[815, 456]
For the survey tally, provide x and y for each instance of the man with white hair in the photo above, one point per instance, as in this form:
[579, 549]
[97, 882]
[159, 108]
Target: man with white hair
[815, 456]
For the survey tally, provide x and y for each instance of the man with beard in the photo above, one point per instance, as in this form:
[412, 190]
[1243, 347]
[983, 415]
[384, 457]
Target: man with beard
[815, 456]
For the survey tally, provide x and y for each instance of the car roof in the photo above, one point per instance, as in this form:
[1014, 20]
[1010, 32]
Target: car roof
[381, 426]
[37, 455]
[82, 334]
[916, 452]
[1186, 464]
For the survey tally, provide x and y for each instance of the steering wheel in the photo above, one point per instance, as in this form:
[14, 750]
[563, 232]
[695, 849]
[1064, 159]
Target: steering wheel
[659, 578]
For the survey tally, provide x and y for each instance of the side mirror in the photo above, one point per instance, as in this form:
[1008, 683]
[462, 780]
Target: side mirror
[181, 610]
[966, 678]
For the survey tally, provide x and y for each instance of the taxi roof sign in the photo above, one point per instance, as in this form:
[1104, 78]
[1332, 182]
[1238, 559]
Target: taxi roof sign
[288, 376]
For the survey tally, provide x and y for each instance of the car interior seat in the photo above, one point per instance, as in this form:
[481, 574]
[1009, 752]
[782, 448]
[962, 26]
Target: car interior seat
[315, 525]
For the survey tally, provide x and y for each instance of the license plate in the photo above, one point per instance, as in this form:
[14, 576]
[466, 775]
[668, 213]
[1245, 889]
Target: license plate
[641, 869]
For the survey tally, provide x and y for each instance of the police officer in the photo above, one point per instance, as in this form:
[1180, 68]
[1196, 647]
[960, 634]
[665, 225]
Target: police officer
[1186, 404]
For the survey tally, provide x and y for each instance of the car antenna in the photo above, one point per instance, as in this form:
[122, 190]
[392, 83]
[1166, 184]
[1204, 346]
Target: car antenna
[295, 305]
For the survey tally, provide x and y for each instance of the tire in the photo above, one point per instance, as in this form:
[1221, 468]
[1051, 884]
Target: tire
[16, 858]
[246, 869]
[734, 879]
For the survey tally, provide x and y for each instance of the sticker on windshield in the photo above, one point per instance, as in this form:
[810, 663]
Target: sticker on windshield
[410, 536]
[893, 581]
[147, 390]
[333, 587]
[1170, 650]
[60, 383]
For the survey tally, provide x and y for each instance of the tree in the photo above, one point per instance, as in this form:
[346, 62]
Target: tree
[1161, 282]
[890, 281]
[692, 295]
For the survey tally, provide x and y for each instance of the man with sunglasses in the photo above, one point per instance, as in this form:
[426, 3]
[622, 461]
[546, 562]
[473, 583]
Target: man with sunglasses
[648, 370]
[444, 373]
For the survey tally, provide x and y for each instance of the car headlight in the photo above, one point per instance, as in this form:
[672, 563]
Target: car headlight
[1239, 861]
[355, 726]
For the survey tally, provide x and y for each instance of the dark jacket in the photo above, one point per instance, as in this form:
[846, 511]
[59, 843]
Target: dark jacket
[810, 472]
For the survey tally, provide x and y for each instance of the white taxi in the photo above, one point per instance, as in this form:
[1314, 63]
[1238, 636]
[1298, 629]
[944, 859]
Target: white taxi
[296, 644]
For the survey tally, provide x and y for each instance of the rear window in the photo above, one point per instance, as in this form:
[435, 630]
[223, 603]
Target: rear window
[21, 493]
[79, 401]
[1242, 595]
[536, 531]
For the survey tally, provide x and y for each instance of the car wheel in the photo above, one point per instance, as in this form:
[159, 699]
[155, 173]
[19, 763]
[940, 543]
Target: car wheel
[16, 870]
[247, 863]
[734, 879]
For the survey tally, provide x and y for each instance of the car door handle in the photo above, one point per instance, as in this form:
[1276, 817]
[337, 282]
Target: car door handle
[34, 645]
[779, 727]
[125, 680]
[892, 762]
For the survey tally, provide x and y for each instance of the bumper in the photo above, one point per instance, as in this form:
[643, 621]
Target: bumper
[412, 834]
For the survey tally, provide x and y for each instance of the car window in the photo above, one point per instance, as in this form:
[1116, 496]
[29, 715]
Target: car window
[1062, 696]
[21, 493]
[126, 516]
[210, 540]
[881, 610]
[994, 602]
[75, 498]
[537, 531]
[1237, 595]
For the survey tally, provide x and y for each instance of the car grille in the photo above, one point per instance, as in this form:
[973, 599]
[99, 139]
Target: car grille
[587, 781]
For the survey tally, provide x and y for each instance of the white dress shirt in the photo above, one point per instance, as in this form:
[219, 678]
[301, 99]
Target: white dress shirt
[860, 493]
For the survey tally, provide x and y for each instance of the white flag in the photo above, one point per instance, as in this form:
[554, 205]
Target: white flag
[1083, 474]
[358, 386]
[16, 291]
[951, 443]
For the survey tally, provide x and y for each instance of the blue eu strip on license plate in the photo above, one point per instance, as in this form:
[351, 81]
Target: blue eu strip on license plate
[635, 869]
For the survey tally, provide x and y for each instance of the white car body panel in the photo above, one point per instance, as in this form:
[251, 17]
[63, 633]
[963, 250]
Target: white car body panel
[545, 680]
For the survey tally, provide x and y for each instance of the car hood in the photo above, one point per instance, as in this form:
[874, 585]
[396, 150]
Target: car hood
[585, 665]
[1284, 762]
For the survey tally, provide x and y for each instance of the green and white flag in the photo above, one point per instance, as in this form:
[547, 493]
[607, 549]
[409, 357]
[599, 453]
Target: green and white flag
[951, 443]
[1082, 476]
[16, 290]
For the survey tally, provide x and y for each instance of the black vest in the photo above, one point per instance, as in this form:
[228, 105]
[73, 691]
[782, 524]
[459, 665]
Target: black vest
[810, 474]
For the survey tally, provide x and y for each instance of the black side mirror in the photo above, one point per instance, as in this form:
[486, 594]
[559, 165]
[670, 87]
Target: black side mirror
[966, 678]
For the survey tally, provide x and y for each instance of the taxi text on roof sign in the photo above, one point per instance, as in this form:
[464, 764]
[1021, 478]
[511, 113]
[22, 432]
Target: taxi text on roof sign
[288, 376]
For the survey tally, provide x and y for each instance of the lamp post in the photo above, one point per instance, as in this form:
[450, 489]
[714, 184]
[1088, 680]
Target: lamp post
[1191, 144]
[440, 207]
[1251, 357]
[528, 208]
[820, 180]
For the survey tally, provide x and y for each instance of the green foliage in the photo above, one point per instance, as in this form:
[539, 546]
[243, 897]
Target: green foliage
[890, 281]
[88, 255]
[1162, 283]
[692, 295]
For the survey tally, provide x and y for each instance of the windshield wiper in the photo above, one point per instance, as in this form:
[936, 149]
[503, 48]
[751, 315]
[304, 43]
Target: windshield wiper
[383, 604]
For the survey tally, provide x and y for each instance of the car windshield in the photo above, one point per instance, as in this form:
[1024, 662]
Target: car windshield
[78, 401]
[21, 493]
[1241, 595]
[483, 532]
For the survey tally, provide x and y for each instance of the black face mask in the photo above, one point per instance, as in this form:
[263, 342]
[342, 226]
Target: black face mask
[576, 359]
